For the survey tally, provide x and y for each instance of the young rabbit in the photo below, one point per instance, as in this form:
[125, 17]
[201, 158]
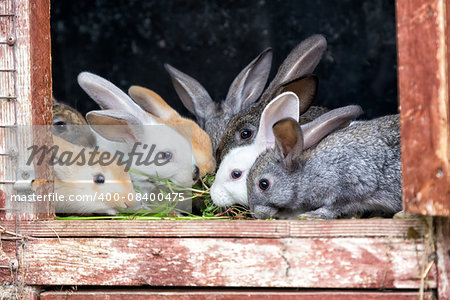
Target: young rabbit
[69, 124]
[229, 186]
[143, 139]
[303, 59]
[80, 179]
[352, 171]
[157, 108]
[213, 116]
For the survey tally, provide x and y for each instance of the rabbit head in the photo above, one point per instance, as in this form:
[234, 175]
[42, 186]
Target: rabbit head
[80, 182]
[351, 171]
[213, 116]
[69, 124]
[303, 59]
[154, 149]
[229, 186]
[159, 110]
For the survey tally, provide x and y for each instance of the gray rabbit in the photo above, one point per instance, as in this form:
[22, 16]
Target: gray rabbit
[350, 172]
[291, 76]
[214, 116]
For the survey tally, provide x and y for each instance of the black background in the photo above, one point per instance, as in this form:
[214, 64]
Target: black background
[127, 42]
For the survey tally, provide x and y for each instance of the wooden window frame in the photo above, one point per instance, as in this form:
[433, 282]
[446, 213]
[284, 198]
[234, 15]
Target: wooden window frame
[374, 254]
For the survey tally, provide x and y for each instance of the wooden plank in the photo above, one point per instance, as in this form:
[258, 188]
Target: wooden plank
[423, 76]
[28, 83]
[443, 257]
[41, 97]
[228, 295]
[19, 292]
[220, 228]
[362, 263]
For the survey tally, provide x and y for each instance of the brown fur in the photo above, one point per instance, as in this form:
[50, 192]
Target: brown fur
[157, 108]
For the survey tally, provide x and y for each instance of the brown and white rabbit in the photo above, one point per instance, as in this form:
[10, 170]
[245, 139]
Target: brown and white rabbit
[88, 188]
[69, 124]
[351, 172]
[156, 107]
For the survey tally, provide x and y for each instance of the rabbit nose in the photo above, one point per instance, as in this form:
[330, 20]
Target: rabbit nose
[196, 173]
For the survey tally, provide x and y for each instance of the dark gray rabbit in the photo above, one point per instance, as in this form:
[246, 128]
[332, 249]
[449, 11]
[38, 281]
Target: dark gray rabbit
[214, 116]
[291, 76]
[351, 172]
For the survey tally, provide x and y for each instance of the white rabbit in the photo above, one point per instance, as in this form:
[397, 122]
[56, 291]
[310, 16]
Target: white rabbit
[137, 130]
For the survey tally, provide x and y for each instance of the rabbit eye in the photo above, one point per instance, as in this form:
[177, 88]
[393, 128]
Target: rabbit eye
[264, 185]
[235, 174]
[59, 123]
[99, 179]
[59, 126]
[245, 134]
[166, 155]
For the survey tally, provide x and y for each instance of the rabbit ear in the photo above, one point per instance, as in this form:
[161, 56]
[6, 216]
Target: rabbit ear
[284, 106]
[193, 95]
[305, 88]
[152, 103]
[249, 84]
[109, 96]
[301, 61]
[329, 122]
[289, 142]
[128, 129]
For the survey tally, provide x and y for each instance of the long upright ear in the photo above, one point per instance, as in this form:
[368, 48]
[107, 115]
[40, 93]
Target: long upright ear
[315, 131]
[116, 125]
[289, 141]
[304, 87]
[152, 103]
[283, 106]
[109, 96]
[301, 61]
[193, 95]
[249, 84]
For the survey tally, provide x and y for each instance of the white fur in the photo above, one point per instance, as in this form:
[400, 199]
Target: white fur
[73, 181]
[145, 129]
[226, 190]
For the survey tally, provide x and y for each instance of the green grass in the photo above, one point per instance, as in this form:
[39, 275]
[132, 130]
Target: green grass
[199, 194]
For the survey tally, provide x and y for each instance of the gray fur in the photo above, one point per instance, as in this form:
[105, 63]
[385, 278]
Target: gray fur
[351, 172]
[302, 60]
[213, 116]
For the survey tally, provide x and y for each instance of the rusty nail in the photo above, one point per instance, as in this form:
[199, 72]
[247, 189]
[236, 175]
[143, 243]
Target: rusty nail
[11, 41]
[440, 172]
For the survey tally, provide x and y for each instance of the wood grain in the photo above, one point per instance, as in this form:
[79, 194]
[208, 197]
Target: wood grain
[220, 228]
[228, 295]
[423, 78]
[26, 92]
[443, 257]
[362, 263]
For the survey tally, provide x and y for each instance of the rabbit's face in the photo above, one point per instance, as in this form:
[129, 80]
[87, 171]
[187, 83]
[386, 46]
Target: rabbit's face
[271, 190]
[69, 124]
[91, 188]
[229, 186]
[241, 130]
[170, 156]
